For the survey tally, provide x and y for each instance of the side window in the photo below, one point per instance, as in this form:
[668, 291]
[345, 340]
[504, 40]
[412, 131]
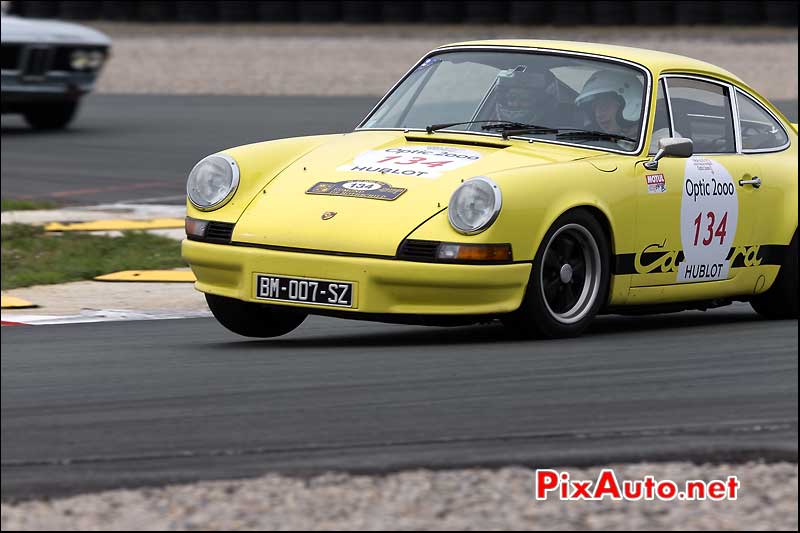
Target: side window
[701, 111]
[760, 131]
[661, 125]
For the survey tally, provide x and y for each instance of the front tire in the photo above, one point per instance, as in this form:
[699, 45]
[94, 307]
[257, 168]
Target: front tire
[50, 116]
[780, 301]
[252, 319]
[569, 280]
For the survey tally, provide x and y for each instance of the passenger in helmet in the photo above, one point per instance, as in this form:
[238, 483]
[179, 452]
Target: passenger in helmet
[612, 102]
[522, 95]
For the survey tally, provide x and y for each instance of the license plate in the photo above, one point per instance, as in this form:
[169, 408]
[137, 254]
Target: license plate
[304, 290]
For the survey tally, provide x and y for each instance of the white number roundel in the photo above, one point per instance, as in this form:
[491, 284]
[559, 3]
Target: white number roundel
[709, 215]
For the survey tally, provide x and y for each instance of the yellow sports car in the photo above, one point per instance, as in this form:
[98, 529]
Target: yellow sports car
[535, 182]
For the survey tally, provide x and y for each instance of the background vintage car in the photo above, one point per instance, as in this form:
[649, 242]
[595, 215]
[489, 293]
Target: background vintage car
[47, 66]
[639, 220]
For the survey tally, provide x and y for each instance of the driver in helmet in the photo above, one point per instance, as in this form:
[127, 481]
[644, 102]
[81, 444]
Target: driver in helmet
[525, 96]
[612, 102]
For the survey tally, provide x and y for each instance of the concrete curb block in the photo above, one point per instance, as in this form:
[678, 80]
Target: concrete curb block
[14, 302]
[158, 276]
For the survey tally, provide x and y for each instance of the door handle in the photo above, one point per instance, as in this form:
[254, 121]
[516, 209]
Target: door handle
[755, 182]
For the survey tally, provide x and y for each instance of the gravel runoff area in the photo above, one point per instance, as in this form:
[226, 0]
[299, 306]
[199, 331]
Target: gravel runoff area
[348, 60]
[473, 499]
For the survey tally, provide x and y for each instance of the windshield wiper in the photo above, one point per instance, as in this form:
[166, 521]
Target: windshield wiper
[508, 129]
[492, 124]
[592, 135]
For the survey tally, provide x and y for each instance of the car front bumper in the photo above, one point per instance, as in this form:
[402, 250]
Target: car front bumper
[55, 86]
[380, 286]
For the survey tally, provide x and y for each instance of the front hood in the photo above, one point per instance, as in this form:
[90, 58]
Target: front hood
[20, 30]
[364, 192]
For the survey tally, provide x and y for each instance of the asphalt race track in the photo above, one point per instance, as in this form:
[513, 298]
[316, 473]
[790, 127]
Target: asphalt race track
[91, 406]
[140, 147]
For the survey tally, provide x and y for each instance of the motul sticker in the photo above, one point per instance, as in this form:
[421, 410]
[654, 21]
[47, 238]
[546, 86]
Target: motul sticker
[656, 184]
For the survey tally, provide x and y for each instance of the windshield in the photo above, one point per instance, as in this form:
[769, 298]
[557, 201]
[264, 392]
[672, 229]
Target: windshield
[551, 91]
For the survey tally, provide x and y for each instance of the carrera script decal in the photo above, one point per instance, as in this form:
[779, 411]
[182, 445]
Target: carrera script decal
[373, 190]
[655, 259]
[709, 215]
[416, 161]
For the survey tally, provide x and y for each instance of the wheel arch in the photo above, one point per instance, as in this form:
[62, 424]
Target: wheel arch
[534, 312]
[598, 212]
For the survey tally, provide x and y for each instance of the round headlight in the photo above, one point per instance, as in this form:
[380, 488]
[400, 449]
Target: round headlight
[95, 59]
[474, 205]
[79, 60]
[212, 182]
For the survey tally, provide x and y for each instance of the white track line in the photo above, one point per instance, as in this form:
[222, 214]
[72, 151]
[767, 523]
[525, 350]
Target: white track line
[101, 315]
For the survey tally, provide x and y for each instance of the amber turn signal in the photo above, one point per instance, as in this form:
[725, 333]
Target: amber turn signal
[474, 252]
[195, 228]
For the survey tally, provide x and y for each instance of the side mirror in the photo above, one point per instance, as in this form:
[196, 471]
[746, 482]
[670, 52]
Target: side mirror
[672, 147]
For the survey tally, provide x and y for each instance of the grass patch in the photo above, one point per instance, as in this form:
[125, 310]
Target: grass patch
[32, 257]
[26, 205]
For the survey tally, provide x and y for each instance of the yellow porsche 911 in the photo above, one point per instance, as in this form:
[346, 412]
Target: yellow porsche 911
[535, 182]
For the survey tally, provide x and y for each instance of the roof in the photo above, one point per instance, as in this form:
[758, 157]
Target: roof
[657, 62]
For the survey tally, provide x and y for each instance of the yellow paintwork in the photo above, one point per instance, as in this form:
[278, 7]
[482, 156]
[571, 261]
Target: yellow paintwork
[539, 182]
[380, 286]
[13, 302]
[116, 225]
[297, 223]
[177, 276]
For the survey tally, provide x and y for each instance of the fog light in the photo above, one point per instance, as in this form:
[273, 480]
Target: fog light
[474, 252]
[195, 228]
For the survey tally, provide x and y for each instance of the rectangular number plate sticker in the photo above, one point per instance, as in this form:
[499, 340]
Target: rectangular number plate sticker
[304, 290]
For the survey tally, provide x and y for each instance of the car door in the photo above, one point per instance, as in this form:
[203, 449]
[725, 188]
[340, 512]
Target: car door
[691, 213]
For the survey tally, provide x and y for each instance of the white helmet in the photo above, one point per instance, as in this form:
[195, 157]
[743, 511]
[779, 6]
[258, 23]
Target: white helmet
[626, 85]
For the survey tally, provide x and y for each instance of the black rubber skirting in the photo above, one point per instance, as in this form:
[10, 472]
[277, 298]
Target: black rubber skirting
[475, 12]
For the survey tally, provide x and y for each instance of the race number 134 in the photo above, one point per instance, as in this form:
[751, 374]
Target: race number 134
[708, 226]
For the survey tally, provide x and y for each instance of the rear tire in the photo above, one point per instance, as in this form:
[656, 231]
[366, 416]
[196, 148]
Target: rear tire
[50, 116]
[780, 301]
[252, 319]
[569, 280]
